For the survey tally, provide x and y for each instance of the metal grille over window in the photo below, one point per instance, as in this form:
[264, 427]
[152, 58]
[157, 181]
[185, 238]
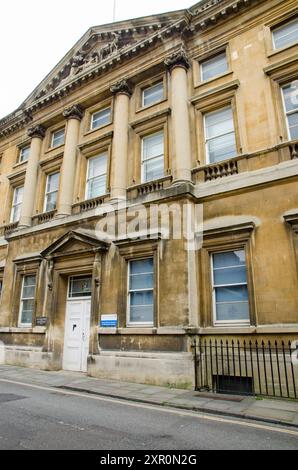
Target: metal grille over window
[141, 289]
[230, 293]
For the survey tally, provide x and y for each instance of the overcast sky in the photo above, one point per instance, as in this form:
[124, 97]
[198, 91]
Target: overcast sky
[35, 35]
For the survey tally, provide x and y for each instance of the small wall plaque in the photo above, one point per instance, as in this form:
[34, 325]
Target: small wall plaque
[41, 321]
[109, 321]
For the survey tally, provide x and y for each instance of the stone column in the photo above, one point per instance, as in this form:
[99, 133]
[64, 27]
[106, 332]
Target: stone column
[73, 115]
[122, 93]
[178, 65]
[37, 134]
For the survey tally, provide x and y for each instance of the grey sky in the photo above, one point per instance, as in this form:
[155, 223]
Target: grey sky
[35, 35]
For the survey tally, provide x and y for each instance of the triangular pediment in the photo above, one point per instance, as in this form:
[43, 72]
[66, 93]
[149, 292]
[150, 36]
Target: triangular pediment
[100, 44]
[75, 241]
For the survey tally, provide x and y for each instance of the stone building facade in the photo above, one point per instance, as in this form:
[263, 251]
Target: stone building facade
[192, 110]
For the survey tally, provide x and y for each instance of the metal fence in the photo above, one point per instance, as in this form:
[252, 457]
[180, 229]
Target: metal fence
[246, 368]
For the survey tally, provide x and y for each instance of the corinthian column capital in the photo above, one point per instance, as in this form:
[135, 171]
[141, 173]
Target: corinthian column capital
[178, 59]
[36, 131]
[74, 112]
[122, 87]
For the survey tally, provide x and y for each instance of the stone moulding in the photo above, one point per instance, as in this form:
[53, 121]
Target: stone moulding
[178, 59]
[208, 14]
[36, 131]
[121, 87]
[74, 112]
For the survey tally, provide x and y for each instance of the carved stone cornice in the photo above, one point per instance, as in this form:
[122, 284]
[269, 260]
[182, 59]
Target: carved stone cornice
[122, 87]
[74, 112]
[178, 59]
[36, 131]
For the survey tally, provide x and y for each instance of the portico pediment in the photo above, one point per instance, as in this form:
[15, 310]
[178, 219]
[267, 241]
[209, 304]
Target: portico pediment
[74, 242]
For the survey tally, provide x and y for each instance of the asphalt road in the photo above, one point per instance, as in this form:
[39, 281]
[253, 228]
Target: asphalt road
[33, 417]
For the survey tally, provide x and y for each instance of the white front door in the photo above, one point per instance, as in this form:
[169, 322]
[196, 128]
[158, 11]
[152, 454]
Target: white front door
[77, 333]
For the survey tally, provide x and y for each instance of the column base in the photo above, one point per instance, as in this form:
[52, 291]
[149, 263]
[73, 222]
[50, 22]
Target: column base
[182, 176]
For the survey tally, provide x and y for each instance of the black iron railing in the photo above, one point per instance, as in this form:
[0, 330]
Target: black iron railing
[246, 368]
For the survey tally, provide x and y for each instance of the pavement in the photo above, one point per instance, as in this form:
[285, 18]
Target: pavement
[275, 411]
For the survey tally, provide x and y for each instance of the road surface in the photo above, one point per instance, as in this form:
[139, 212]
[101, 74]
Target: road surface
[40, 417]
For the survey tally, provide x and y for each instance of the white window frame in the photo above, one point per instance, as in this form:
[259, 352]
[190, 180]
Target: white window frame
[21, 153]
[53, 138]
[50, 192]
[139, 324]
[287, 113]
[209, 59]
[214, 312]
[14, 205]
[100, 155]
[100, 111]
[219, 135]
[143, 162]
[280, 27]
[26, 325]
[148, 88]
[84, 297]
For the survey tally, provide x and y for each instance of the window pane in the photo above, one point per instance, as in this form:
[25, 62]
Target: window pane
[221, 148]
[230, 275]
[229, 258]
[27, 311]
[219, 122]
[29, 280]
[16, 213]
[97, 166]
[153, 169]
[290, 97]
[231, 294]
[153, 145]
[52, 182]
[51, 201]
[141, 266]
[101, 118]
[141, 298]
[287, 34]
[215, 66]
[58, 138]
[141, 281]
[153, 94]
[96, 187]
[18, 195]
[232, 311]
[24, 154]
[141, 314]
[293, 125]
[80, 287]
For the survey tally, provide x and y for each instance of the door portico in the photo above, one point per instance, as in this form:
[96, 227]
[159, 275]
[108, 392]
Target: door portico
[72, 302]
